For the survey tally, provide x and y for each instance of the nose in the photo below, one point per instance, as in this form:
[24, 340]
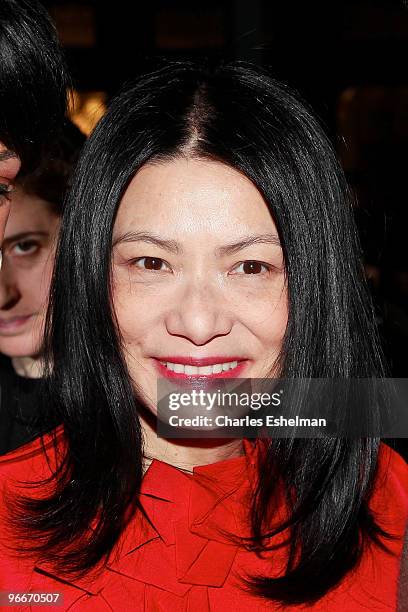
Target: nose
[199, 313]
[9, 291]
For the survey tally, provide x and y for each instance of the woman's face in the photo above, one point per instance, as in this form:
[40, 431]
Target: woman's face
[198, 275]
[28, 256]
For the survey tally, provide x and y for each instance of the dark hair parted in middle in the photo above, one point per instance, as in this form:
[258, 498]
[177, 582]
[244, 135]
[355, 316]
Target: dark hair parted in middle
[242, 117]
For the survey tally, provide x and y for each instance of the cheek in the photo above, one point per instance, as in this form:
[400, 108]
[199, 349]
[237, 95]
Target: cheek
[266, 317]
[35, 285]
[137, 311]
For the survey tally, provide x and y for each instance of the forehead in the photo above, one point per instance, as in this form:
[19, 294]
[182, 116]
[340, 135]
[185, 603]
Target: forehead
[28, 213]
[191, 195]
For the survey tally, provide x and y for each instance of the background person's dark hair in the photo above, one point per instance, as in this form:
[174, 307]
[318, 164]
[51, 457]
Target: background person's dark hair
[33, 79]
[51, 179]
[249, 121]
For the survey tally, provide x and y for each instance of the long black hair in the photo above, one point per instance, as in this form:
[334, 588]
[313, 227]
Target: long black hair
[33, 79]
[240, 116]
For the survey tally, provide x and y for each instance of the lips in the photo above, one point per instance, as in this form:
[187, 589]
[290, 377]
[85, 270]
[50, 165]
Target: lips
[206, 367]
[13, 324]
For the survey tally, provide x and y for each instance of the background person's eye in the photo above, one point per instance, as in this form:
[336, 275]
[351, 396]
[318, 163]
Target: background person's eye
[251, 267]
[26, 247]
[5, 190]
[151, 263]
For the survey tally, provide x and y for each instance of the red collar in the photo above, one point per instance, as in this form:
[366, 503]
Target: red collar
[191, 519]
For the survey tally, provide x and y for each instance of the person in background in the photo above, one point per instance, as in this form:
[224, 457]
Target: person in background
[28, 259]
[33, 91]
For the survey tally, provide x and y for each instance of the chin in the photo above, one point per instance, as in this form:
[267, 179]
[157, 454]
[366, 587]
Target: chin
[17, 349]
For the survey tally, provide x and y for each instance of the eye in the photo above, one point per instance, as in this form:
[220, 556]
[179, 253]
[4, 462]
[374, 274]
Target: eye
[26, 247]
[251, 267]
[5, 190]
[151, 263]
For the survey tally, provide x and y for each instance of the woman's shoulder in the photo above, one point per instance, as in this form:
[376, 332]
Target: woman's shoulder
[22, 412]
[391, 465]
[390, 492]
[5, 365]
[36, 458]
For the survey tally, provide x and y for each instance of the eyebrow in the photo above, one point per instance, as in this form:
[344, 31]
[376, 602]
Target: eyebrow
[247, 241]
[22, 236]
[5, 155]
[173, 246]
[168, 245]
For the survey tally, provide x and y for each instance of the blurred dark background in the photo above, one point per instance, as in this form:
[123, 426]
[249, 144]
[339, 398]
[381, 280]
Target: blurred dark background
[347, 58]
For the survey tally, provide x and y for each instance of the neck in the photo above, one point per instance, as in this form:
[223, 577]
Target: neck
[185, 454]
[28, 367]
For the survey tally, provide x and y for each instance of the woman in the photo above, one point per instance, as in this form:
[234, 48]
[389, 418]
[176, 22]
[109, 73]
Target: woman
[208, 226]
[28, 258]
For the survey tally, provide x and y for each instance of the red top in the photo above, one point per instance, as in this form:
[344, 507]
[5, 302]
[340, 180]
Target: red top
[183, 562]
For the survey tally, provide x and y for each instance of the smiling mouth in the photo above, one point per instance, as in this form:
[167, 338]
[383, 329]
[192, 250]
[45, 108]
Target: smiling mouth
[222, 369]
[207, 370]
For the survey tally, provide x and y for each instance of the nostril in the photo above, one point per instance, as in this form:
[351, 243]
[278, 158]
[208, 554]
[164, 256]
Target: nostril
[9, 300]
